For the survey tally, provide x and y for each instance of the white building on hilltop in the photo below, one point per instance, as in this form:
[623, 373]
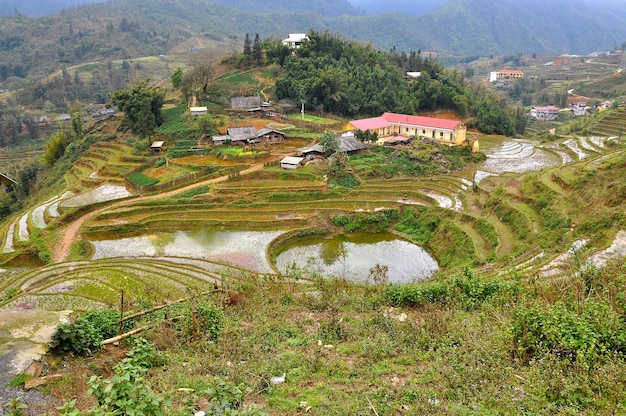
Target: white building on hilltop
[295, 40]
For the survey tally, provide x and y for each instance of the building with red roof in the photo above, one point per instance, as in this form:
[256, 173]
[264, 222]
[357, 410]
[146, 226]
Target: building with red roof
[450, 132]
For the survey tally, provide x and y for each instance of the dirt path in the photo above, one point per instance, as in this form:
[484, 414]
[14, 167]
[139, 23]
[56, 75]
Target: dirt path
[72, 232]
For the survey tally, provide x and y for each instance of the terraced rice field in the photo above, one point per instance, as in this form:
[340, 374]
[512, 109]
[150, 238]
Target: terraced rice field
[261, 201]
[95, 284]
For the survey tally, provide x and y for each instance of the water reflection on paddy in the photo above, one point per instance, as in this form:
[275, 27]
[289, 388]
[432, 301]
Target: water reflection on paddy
[352, 257]
[241, 248]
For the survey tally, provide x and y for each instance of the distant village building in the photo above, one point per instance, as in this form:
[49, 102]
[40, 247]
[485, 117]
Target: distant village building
[6, 181]
[445, 131]
[104, 112]
[413, 75]
[156, 147]
[505, 74]
[249, 134]
[197, 111]
[291, 162]
[347, 144]
[245, 103]
[579, 109]
[64, 117]
[295, 40]
[545, 113]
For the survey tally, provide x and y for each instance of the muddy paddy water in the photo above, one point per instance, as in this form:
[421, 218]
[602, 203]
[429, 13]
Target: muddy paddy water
[352, 256]
[349, 257]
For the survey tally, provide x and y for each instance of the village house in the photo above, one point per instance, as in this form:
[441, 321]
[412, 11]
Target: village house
[197, 111]
[294, 41]
[6, 181]
[249, 134]
[545, 113]
[291, 162]
[579, 109]
[505, 74]
[348, 144]
[250, 103]
[390, 125]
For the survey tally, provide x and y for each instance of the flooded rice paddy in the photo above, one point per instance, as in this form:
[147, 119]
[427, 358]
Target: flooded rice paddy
[348, 257]
[514, 155]
[351, 257]
[240, 248]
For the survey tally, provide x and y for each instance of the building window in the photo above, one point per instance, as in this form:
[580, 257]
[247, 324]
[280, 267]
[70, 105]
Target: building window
[407, 129]
[441, 134]
[424, 131]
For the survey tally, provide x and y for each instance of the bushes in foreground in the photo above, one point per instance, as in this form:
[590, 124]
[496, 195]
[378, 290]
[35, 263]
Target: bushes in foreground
[467, 291]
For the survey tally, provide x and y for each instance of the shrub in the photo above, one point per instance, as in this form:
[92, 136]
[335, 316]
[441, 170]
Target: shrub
[417, 295]
[594, 332]
[85, 335]
[209, 321]
[128, 392]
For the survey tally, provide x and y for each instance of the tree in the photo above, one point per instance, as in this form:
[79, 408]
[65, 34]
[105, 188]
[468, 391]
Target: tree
[142, 106]
[177, 78]
[247, 50]
[199, 79]
[76, 117]
[55, 148]
[329, 142]
[257, 52]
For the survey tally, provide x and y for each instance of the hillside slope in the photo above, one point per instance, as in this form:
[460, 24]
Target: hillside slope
[126, 29]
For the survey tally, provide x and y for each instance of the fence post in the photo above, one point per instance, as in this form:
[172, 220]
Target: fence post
[119, 329]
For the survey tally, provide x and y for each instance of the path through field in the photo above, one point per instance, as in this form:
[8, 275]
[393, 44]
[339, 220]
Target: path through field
[71, 233]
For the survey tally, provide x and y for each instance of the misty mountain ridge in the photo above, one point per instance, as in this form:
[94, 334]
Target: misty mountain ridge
[123, 28]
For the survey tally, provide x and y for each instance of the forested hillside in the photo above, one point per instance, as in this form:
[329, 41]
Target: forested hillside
[321, 7]
[509, 26]
[351, 79]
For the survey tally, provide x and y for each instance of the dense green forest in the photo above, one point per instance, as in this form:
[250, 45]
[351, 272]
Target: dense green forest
[347, 78]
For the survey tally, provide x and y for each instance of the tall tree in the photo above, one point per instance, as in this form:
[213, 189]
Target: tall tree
[257, 52]
[142, 105]
[76, 117]
[247, 50]
[199, 79]
[177, 78]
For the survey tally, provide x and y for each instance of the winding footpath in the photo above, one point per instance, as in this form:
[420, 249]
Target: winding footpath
[72, 232]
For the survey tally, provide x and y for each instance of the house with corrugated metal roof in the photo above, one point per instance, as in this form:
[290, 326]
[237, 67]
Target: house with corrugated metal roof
[347, 144]
[6, 181]
[249, 134]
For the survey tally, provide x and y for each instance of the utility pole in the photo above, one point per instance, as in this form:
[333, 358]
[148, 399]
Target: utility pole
[302, 111]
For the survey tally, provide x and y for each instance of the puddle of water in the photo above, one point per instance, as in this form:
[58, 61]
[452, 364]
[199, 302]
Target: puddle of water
[351, 257]
[240, 248]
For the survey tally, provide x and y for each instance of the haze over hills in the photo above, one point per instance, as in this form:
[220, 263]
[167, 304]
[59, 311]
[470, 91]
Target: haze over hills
[38, 8]
[125, 29]
[409, 7]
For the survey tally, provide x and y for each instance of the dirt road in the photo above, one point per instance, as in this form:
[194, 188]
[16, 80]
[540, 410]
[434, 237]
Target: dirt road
[71, 233]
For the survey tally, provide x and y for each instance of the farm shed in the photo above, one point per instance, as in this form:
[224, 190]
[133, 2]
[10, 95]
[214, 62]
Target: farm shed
[6, 181]
[197, 111]
[291, 162]
[157, 146]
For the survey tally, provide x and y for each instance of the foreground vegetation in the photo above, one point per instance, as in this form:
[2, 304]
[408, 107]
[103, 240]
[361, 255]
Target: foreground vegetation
[462, 344]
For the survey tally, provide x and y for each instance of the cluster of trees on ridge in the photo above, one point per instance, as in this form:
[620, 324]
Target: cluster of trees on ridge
[351, 79]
